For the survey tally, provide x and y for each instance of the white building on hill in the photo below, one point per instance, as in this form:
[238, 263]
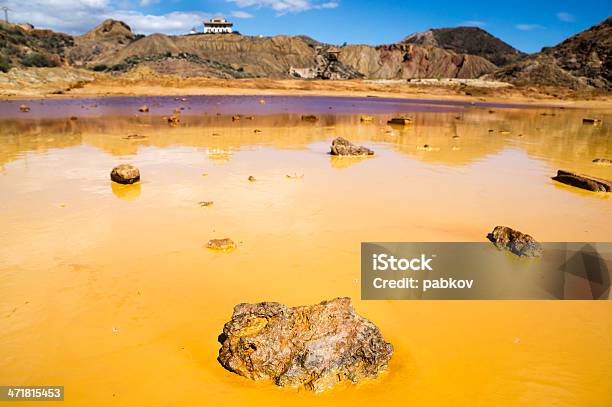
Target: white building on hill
[218, 26]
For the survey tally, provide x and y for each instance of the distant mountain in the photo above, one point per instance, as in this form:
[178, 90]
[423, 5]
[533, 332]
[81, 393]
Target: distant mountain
[468, 40]
[410, 61]
[580, 62]
[113, 47]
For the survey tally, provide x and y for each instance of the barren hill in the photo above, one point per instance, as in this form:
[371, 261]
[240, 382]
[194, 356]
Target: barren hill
[581, 62]
[403, 61]
[280, 56]
[468, 40]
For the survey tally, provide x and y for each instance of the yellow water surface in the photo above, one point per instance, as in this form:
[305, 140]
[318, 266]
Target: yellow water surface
[110, 291]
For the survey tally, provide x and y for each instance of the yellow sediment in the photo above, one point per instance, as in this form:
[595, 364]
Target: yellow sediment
[115, 297]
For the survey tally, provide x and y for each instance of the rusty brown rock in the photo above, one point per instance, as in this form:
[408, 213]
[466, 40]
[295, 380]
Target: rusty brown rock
[583, 181]
[341, 146]
[315, 346]
[125, 174]
[514, 241]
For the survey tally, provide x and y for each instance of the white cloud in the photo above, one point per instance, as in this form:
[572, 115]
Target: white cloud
[79, 16]
[286, 6]
[566, 17]
[474, 23]
[529, 27]
[145, 3]
[241, 14]
[171, 23]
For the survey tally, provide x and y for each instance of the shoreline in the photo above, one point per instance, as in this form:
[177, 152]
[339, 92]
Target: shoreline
[139, 83]
[507, 102]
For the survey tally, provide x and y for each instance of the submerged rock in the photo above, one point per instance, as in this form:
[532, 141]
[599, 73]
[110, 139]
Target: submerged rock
[514, 241]
[341, 146]
[144, 109]
[603, 161]
[583, 181]
[24, 108]
[125, 174]
[134, 137]
[316, 346]
[223, 245]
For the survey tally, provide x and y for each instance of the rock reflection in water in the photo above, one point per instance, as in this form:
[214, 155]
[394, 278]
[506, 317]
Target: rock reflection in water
[127, 192]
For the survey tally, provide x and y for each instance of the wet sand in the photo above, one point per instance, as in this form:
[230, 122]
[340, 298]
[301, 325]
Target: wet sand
[110, 291]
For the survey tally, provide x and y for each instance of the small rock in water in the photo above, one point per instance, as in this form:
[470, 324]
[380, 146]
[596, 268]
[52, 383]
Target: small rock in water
[134, 137]
[343, 147]
[403, 121]
[366, 118]
[24, 108]
[125, 174]
[295, 176]
[315, 346]
[309, 118]
[223, 245]
[173, 120]
[252, 178]
[583, 181]
[144, 109]
[235, 118]
[256, 131]
[591, 121]
[205, 204]
[74, 118]
[249, 117]
[514, 241]
[262, 102]
[603, 161]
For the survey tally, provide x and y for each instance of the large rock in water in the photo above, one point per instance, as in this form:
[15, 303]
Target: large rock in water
[583, 181]
[315, 346]
[341, 146]
[514, 241]
[125, 174]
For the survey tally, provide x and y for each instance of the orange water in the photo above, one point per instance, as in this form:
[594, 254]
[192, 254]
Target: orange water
[109, 291]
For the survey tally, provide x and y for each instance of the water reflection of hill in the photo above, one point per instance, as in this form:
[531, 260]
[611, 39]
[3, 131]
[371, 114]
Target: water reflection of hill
[449, 138]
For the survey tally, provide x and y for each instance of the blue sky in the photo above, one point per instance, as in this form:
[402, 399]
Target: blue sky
[527, 25]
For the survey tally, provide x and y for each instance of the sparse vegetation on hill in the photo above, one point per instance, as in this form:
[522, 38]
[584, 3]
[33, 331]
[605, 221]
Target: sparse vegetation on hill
[31, 47]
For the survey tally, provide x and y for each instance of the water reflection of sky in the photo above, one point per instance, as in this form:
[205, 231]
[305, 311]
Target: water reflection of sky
[163, 105]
